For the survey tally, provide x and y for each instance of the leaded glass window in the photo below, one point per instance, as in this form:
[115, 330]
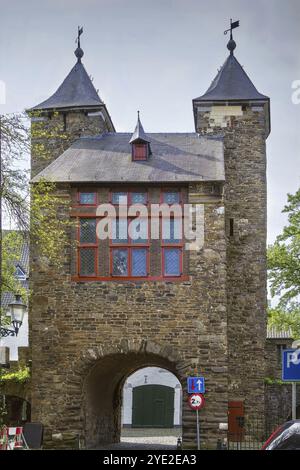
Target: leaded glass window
[138, 198]
[139, 262]
[171, 230]
[87, 230]
[120, 262]
[87, 261]
[172, 261]
[120, 231]
[171, 197]
[119, 197]
[139, 230]
[87, 198]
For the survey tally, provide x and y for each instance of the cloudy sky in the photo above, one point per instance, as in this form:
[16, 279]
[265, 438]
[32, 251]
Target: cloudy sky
[156, 55]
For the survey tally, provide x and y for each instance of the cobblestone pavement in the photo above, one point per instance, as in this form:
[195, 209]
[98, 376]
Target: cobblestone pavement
[146, 439]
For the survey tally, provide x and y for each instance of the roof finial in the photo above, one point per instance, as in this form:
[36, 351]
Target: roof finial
[79, 52]
[139, 133]
[232, 44]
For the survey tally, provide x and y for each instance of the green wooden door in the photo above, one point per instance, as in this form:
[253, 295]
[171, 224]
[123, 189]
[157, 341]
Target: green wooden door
[153, 406]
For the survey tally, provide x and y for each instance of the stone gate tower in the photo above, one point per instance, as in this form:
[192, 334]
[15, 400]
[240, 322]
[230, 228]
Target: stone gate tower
[233, 107]
[116, 306]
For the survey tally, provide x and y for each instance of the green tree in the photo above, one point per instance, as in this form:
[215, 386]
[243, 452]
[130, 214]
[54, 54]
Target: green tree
[34, 213]
[285, 319]
[284, 270]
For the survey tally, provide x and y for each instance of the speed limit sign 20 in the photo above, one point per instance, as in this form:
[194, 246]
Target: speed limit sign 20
[196, 401]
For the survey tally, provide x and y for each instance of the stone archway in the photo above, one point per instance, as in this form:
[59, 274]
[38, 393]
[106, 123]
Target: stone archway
[103, 372]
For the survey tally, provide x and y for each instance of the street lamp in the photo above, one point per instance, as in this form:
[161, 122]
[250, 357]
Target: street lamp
[17, 311]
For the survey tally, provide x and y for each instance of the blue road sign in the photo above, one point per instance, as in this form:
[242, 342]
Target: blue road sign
[291, 365]
[196, 385]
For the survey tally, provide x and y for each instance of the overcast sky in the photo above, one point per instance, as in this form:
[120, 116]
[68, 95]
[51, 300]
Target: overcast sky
[156, 56]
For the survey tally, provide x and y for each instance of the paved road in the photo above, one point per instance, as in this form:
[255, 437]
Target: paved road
[145, 439]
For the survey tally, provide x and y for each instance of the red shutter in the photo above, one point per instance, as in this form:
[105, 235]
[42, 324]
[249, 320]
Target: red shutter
[236, 416]
[140, 151]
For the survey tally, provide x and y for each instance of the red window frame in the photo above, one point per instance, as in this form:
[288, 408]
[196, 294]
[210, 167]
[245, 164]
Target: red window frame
[171, 190]
[139, 151]
[163, 249]
[82, 246]
[90, 204]
[168, 244]
[129, 249]
[128, 195]
[130, 245]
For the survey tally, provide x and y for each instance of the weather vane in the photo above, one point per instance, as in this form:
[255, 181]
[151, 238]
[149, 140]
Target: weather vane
[80, 31]
[233, 25]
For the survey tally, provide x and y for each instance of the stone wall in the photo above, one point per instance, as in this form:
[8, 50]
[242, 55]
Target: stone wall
[243, 128]
[88, 337]
[274, 356]
[278, 398]
[53, 133]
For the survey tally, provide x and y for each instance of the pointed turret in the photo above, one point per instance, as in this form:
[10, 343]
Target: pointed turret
[231, 86]
[76, 92]
[73, 111]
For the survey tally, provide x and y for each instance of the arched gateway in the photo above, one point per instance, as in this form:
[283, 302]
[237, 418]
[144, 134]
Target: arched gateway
[101, 387]
[115, 305]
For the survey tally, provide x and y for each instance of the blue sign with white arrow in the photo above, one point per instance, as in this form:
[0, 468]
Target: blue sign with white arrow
[291, 365]
[196, 385]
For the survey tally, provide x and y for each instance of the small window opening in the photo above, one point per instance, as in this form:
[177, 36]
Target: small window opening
[231, 227]
[140, 151]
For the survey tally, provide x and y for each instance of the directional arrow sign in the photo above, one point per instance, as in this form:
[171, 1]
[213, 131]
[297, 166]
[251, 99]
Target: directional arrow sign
[195, 385]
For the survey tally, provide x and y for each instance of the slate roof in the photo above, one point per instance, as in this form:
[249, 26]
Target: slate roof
[76, 91]
[231, 83]
[274, 333]
[107, 158]
[23, 262]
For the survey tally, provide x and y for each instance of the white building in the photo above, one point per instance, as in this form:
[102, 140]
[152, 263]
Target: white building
[152, 398]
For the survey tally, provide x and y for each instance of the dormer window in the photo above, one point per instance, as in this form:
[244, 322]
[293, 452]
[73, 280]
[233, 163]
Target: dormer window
[140, 143]
[139, 151]
[20, 274]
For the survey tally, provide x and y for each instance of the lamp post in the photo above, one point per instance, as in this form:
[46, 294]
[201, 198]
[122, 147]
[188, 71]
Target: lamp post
[17, 311]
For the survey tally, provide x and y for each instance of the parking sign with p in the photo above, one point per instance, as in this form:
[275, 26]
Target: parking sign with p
[291, 365]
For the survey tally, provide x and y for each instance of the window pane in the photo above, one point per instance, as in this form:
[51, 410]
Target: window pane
[138, 198]
[87, 198]
[171, 197]
[140, 151]
[19, 274]
[172, 261]
[87, 230]
[87, 261]
[120, 262]
[119, 198]
[172, 230]
[139, 262]
[119, 231]
[139, 230]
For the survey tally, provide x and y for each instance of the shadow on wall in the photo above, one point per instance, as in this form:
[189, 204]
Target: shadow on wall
[102, 393]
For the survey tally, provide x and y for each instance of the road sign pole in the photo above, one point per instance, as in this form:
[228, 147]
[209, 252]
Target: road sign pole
[198, 430]
[294, 400]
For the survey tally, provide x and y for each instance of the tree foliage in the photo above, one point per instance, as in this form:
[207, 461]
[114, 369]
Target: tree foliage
[285, 319]
[32, 210]
[284, 269]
